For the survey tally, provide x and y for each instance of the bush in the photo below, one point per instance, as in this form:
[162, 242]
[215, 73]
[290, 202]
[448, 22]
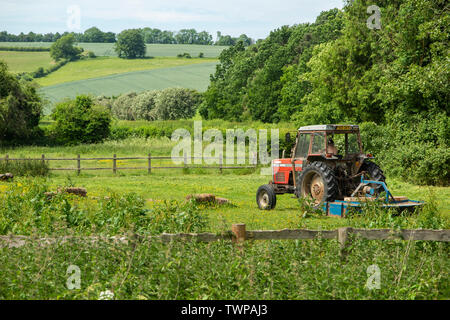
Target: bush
[121, 108]
[80, 121]
[143, 107]
[184, 55]
[20, 108]
[167, 104]
[31, 168]
[176, 103]
[64, 48]
[412, 147]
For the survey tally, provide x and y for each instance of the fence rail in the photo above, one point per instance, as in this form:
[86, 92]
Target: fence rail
[185, 163]
[238, 234]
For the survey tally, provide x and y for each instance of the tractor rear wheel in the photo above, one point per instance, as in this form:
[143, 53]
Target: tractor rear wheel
[318, 182]
[266, 198]
[373, 172]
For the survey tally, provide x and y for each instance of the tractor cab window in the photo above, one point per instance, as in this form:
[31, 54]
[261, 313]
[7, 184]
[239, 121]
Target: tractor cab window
[318, 143]
[353, 145]
[346, 143]
[303, 145]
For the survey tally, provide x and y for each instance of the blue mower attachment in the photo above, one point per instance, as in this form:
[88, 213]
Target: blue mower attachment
[340, 208]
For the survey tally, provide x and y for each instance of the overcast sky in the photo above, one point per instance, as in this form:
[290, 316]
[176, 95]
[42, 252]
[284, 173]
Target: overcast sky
[256, 18]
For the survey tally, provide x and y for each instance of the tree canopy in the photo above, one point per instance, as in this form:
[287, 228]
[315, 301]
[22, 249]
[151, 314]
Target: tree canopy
[20, 108]
[64, 48]
[130, 44]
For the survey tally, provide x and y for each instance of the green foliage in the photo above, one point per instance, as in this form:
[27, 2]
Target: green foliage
[365, 73]
[167, 104]
[27, 210]
[130, 44]
[64, 48]
[150, 269]
[20, 108]
[249, 82]
[413, 147]
[185, 55]
[176, 103]
[25, 167]
[132, 106]
[80, 121]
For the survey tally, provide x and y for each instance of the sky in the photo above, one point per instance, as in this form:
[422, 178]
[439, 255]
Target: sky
[256, 18]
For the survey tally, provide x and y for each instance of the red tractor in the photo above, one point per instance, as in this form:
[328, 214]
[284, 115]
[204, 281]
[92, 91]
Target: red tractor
[327, 164]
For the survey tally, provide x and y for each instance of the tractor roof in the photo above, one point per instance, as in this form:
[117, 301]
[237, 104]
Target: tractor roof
[329, 127]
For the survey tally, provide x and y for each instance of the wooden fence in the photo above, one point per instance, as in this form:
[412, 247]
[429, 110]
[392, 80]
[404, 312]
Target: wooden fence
[239, 234]
[184, 161]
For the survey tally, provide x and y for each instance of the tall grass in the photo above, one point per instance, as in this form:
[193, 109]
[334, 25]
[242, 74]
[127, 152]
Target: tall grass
[303, 269]
[25, 167]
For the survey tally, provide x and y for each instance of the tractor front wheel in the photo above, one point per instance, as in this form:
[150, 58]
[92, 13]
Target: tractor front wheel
[266, 198]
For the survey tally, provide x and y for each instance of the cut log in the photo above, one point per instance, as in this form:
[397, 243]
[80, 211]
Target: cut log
[82, 192]
[6, 177]
[203, 197]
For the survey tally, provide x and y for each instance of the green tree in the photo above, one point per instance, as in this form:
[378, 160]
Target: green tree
[80, 121]
[176, 103]
[64, 48]
[93, 34]
[20, 108]
[250, 82]
[130, 44]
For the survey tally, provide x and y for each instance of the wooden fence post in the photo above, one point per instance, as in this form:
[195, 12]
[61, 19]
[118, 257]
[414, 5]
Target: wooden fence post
[344, 240]
[239, 233]
[78, 165]
[149, 163]
[114, 163]
[185, 159]
[220, 163]
[7, 159]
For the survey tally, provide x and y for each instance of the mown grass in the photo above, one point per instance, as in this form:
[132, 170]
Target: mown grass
[26, 61]
[104, 66]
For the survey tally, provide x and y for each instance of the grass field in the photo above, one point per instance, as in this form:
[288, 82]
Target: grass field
[237, 185]
[105, 66]
[153, 50]
[290, 269]
[194, 76]
[19, 61]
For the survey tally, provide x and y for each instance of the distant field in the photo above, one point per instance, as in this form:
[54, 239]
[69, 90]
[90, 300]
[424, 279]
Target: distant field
[154, 50]
[105, 66]
[19, 61]
[194, 76]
